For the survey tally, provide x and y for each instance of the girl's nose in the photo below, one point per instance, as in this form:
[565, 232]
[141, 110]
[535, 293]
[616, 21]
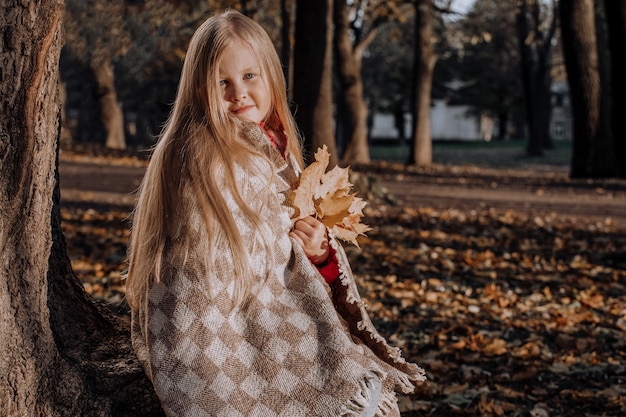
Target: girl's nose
[238, 92]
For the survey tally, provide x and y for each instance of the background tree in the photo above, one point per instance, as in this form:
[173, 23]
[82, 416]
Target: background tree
[536, 29]
[616, 23]
[97, 32]
[604, 71]
[145, 75]
[424, 64]
[287, 11]
[352, 111]
[487, 62]
[312, 84]
[387, 68]
[356, 26]
[592, 155]
[62, 354]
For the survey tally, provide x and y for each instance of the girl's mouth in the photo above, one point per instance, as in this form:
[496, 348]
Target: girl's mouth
[240, 110]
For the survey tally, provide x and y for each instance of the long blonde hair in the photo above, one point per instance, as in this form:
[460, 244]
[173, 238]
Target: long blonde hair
[198, 142]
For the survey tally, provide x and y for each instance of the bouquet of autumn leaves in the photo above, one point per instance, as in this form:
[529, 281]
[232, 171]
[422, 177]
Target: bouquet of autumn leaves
[326, 196]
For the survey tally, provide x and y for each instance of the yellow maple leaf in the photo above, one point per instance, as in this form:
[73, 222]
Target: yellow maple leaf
[350, 228]
[334, 183]
[302, 196]
[326, 195]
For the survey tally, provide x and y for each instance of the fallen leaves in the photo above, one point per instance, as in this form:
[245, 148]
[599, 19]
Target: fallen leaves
[504, 322]
[97, 244]
[511, 314]
[326, 195]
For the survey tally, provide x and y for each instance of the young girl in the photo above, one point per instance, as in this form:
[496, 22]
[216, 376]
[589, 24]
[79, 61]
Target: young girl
[236, 310]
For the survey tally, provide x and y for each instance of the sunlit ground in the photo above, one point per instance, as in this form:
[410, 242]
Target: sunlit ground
[511, 313]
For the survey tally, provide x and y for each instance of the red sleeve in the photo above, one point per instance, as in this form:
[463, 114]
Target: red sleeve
[329, 268]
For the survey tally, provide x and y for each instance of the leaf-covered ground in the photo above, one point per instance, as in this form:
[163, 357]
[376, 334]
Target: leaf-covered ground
[511, 312]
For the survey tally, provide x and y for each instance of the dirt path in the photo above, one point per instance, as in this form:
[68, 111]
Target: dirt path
[99, 185]
[532, 194]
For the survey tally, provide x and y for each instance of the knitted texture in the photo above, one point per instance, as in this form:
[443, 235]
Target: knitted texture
[298, 348]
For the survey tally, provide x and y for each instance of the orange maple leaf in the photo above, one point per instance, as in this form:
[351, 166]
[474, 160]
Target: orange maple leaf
[326, 195]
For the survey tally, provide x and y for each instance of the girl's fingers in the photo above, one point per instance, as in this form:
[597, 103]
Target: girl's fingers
[306, 225]
[297, 238]
[310, 226]
[300, 236]
[311, 235]
[303, 227]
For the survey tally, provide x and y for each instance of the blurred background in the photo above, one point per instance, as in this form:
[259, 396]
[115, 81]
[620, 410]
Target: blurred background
[399, 77]
[486, 136]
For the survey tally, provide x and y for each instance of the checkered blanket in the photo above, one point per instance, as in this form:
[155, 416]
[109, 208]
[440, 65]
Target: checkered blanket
[298, 348]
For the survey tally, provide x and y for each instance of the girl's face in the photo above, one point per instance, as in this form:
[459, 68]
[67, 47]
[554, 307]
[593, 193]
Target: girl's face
[244, 89]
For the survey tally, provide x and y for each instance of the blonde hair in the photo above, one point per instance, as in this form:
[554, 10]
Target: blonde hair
[198, 142]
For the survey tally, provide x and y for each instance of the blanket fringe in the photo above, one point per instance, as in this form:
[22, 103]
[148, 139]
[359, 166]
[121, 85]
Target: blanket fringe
[388, 405]
[361, 401]
[406, 383]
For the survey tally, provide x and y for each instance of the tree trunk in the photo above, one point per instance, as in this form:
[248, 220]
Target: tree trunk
[312, 86]
[503, 126]
[66, 132]
[286, 52]
[536, 56]
[604, 70]
[591, 155]
[534, 147]
[111, 111]
[399, 122]
[62, 354]
[351, 96]
[425, 58]
[616, 23]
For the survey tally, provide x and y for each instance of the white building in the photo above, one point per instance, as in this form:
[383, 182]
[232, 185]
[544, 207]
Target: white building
[456, 122]
[561, 122]
[447, 122]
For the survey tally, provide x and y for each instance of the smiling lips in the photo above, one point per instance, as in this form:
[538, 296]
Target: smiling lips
[241, 109]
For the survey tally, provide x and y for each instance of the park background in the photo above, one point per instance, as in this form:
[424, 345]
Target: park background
[497, 259]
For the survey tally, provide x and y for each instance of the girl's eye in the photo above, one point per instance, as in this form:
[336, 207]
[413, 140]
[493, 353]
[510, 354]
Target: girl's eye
[223, 83]
[249, 76]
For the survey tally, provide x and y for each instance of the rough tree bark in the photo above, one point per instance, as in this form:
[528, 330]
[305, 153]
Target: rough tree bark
[312, 82]
[592, 154]
[111, 110]
[62, 353]
[349, 63]
[425, 58]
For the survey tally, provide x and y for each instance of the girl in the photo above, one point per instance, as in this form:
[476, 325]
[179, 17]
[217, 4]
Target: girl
[236, 311]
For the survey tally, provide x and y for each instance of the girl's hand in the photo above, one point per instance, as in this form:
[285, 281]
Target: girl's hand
[311, 234]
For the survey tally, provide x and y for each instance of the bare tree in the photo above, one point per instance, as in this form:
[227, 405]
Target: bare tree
[356, 26]
[425, 58]
[592, 155]
[62, 353]
[535, 41]
[349, 61]
[96, 32]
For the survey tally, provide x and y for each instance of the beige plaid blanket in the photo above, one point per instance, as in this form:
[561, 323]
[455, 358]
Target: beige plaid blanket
[300, 348]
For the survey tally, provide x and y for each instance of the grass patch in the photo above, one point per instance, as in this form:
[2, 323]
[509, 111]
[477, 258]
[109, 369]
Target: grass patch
[507, 154]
